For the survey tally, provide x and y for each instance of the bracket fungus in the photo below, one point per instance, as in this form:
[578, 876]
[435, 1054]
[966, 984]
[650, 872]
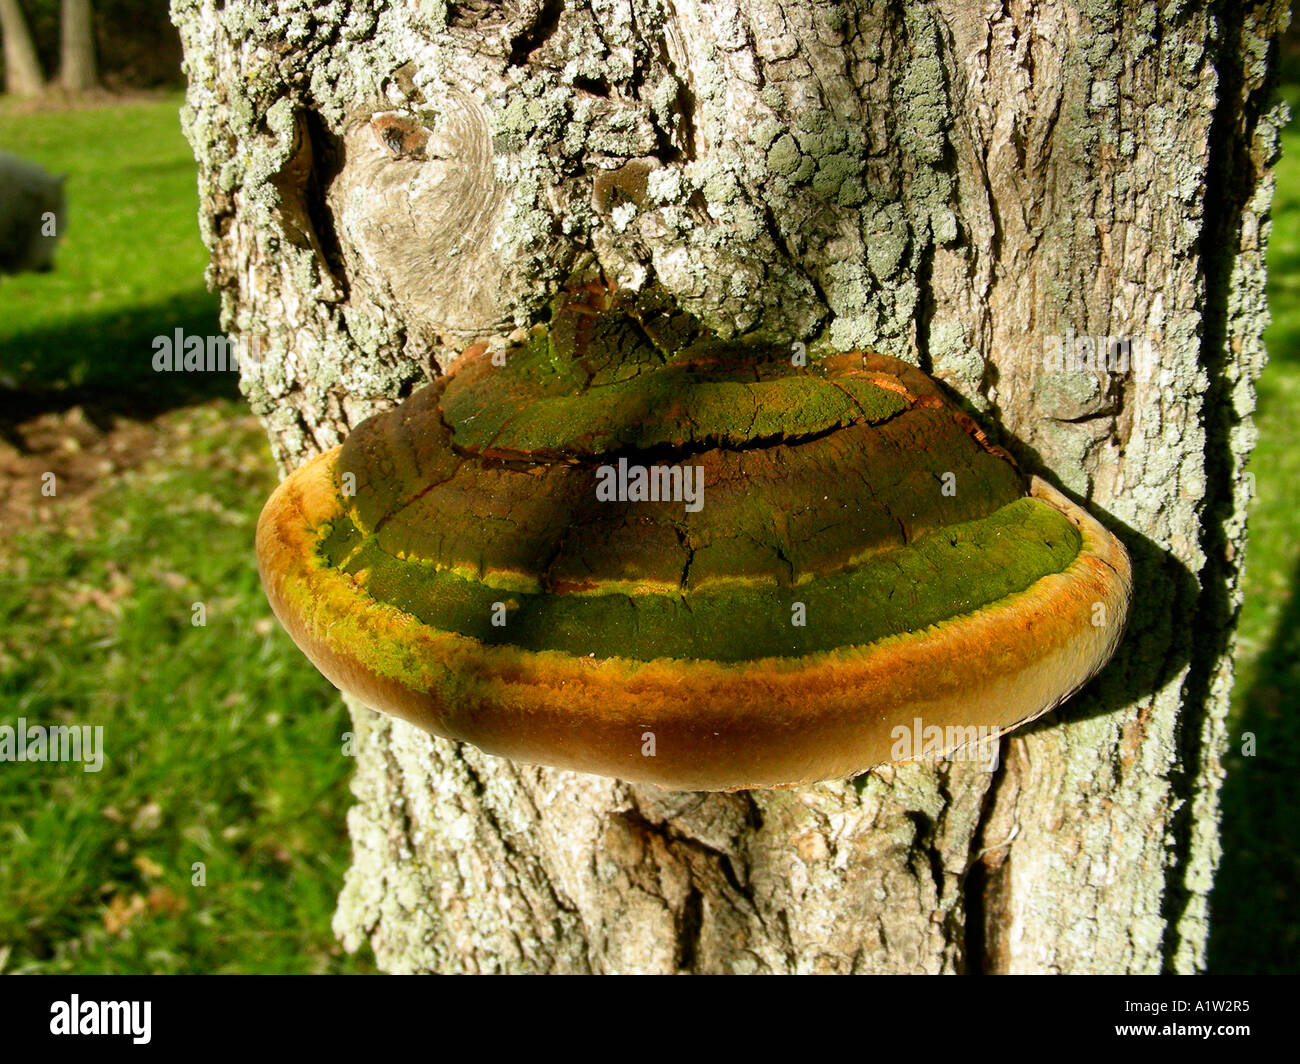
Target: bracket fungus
[624, 546]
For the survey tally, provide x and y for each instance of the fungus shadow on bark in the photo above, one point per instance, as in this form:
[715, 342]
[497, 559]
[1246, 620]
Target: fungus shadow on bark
[1152, 649]
[1149, 655]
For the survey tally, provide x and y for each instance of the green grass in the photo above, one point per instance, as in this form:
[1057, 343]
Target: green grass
[223, 744]
[130, 262]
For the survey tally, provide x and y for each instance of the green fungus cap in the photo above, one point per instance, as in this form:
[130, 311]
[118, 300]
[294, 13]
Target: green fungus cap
[623, 490]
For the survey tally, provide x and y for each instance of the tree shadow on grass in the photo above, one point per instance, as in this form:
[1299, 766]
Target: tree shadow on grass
[104, 363]
[1253, 927]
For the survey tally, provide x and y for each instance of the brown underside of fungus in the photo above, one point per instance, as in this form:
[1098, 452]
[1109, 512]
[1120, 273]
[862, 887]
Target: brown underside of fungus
[626, 547]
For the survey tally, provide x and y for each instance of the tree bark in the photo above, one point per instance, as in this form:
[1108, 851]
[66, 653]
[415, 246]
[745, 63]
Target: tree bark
[77, 68]
[23, 75]
[952, 183]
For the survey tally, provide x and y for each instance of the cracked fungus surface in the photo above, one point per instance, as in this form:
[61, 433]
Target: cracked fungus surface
[822, 486]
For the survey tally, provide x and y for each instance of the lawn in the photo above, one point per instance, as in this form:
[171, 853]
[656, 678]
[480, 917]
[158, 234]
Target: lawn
[130, 260]
[214, 838]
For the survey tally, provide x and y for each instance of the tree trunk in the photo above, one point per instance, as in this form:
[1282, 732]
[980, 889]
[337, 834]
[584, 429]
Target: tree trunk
[77, 69]
[971, 187]
[23, 75]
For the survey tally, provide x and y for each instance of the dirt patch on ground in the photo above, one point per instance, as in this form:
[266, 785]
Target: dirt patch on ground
[55, 464]
[64, 458]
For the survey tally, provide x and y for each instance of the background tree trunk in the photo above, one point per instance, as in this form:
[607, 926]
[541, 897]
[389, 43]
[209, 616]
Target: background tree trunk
[948, 182]
[23, 75]
[77, 68]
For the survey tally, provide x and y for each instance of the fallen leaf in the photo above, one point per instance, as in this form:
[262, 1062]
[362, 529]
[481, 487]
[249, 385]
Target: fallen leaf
[149, 868]
[147, 817]
[163, 900]
[121, 911]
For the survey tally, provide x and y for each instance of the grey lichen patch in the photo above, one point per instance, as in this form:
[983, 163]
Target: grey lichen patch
[921, 92]
[784, 157]
[372, 897]
[1104, 94]
[955, 360]
[766, 132]
[833, 171]
[665, 186]
[1071, 394]
[888, 237]
[944, 226]
[829, 177]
